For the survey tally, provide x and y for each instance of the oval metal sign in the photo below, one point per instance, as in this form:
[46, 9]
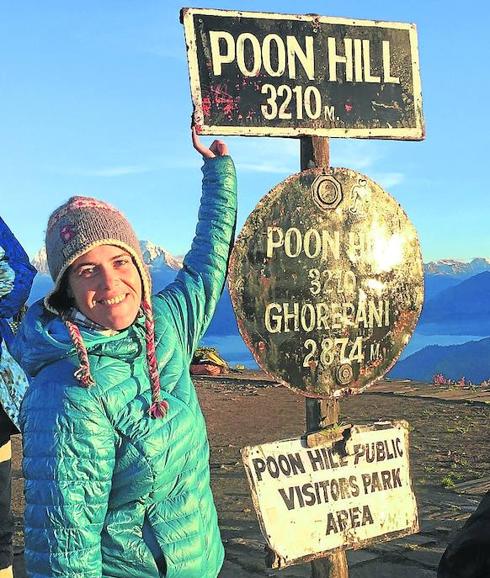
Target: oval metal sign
[326, 280]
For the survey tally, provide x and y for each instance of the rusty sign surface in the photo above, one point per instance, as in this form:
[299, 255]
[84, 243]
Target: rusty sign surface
[326, 281]
[346, 494]
[255, 73]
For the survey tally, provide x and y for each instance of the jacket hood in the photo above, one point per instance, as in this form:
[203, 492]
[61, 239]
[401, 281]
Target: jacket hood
[43, 339]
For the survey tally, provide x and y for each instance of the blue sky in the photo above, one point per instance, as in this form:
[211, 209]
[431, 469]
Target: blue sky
[95, 100]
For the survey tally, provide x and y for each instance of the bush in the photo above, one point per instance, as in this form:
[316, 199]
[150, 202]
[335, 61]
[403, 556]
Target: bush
[441, 379]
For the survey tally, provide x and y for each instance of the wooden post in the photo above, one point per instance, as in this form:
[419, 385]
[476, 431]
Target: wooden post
[321, 413]
[315, 152]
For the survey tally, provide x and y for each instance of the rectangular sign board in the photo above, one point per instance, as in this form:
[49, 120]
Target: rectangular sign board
[347, 494]
[255, 73]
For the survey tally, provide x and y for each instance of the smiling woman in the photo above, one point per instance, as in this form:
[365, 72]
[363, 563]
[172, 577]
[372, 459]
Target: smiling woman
[116, 456]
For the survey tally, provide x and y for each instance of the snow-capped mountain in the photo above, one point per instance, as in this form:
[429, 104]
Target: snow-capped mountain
[156, 257]
[40, 262]
[455, 268]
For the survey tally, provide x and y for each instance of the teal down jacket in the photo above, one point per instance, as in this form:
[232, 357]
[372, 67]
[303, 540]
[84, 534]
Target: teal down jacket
[111, 492]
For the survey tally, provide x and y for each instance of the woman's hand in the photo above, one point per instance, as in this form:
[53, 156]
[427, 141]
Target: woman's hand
[217, 149]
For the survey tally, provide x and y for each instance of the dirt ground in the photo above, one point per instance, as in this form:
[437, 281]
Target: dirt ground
[449, 441]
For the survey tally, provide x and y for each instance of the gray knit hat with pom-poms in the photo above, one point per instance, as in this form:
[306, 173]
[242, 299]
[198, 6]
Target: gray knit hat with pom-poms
[80, 225]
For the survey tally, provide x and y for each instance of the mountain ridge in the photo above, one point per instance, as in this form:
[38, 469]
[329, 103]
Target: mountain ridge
[457, 268]
[470, 360]
[461, 309]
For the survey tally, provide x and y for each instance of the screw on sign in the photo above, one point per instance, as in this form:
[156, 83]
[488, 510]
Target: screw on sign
[327, 283]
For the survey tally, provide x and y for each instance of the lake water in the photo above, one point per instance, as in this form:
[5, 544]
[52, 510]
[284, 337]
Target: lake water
[234, 351]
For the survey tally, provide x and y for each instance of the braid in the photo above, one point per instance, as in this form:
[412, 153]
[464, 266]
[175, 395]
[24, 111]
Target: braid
[82, 374]
[158, 406]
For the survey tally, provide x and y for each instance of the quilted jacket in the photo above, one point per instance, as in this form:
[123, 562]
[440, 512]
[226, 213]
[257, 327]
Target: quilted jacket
[16, 275]
[111, 492]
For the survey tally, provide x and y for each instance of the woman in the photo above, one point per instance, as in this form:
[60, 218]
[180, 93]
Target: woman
[115, 447]
[16, 275]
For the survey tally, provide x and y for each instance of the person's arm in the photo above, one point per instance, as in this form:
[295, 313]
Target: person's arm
[69, 454]
[192, 298]
[16, 273]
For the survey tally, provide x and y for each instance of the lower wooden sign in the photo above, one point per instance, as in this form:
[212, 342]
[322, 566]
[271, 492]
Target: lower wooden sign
[313, 496]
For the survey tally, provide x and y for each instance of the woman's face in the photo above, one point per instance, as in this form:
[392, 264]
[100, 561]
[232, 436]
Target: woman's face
[106, 286]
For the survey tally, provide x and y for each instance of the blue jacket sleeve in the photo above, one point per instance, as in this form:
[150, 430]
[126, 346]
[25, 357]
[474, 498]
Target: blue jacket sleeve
[16, 273]
[193, 296]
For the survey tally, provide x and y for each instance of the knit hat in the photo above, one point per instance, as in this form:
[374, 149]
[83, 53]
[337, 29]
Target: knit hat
[80, 225]
[74, 228]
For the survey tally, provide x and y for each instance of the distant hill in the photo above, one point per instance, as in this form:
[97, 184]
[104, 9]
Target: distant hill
[463, 309]
[434, 284]
[445, 273]
[470, 360]
[224, 321]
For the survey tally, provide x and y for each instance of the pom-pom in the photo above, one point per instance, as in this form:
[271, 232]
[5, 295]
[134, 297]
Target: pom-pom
[158, 409]
[82, 374]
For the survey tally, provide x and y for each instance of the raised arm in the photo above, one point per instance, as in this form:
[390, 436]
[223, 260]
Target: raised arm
[192, 298]
[16, 273]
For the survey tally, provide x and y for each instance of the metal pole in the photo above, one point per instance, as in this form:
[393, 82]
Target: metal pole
[321, 413]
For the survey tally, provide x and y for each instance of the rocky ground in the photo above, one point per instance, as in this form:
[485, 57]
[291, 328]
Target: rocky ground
[450, 462]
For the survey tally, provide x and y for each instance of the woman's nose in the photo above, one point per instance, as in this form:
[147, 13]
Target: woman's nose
[109, 277]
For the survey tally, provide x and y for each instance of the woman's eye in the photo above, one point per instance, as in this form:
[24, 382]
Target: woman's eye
[121, 262]
[86, 271]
